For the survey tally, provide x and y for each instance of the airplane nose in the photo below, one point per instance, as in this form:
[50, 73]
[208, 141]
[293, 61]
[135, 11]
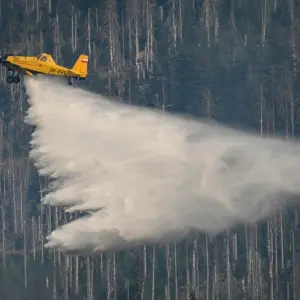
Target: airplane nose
[2, 59]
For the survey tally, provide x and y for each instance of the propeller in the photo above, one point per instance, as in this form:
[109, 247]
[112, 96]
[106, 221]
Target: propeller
[2, 59]
[4, 56]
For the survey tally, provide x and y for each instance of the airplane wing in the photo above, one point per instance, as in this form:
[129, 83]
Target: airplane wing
[21, 70]
[15, 67]
[24, 71]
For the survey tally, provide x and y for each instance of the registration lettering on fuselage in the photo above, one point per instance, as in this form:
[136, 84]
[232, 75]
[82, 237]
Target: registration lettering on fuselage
[57, 71]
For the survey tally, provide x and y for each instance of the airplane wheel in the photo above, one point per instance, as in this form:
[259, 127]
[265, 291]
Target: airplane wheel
[9, 79]
[17, 79]
[69, 82]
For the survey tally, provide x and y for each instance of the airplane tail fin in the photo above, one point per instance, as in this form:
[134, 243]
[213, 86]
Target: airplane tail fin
[81, 65]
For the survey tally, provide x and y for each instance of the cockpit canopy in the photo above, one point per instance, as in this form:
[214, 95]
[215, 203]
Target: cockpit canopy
[42, 57]
[45, 57]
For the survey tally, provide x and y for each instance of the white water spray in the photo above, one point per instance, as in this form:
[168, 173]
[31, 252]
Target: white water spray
[145, 176]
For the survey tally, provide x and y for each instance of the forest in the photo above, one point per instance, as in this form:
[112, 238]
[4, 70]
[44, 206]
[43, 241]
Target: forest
[233, 61]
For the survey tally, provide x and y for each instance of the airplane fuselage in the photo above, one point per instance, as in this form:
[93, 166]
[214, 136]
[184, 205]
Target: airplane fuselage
[35, 66]
[43, 64]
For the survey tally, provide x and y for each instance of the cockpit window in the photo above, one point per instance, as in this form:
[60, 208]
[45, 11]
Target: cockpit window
[44, 58]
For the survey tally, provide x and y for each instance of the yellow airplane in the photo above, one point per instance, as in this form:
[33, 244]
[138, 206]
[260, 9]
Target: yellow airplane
[42, 64]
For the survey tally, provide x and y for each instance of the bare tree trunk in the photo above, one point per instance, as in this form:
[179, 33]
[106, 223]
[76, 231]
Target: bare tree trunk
[37, 12]
[25, 254]
[66, 277]
[1, 13]
[144, 271]
[261, 109]
[292, 107]
[174, 25]
[94, 56]
[295, 265]
[137, 43]
[228, 266]
[12, 170]
[57, 54]
[167, 288]
[175, 271]
[215, 286]
[263, 22]
[271, 257]
[187, 270]
[101, 266]
[54, 292]
[277, 286]
[3, 207]
[180, 24]
[153, 273]
[33, 236]
[150, 37]
[115, 275]
[293, 38]
[138, 273]
[88, 278]
[281, 231]
[108, 257]
[76, 275]
[70, 273]
[194, 266]
[89, 33]
[127, 282]
[73, 29]
[207, 268]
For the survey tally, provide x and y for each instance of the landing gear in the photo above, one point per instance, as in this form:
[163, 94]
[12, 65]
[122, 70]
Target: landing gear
[16, 79]
[12, 78]
[69, 79]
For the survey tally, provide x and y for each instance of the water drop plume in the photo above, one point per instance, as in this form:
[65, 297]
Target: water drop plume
[144, 176]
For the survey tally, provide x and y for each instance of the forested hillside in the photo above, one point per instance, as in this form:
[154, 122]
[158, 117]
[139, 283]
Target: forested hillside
[235, 61]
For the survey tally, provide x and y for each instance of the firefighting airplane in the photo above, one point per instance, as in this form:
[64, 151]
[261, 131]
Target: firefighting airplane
[42, 64]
